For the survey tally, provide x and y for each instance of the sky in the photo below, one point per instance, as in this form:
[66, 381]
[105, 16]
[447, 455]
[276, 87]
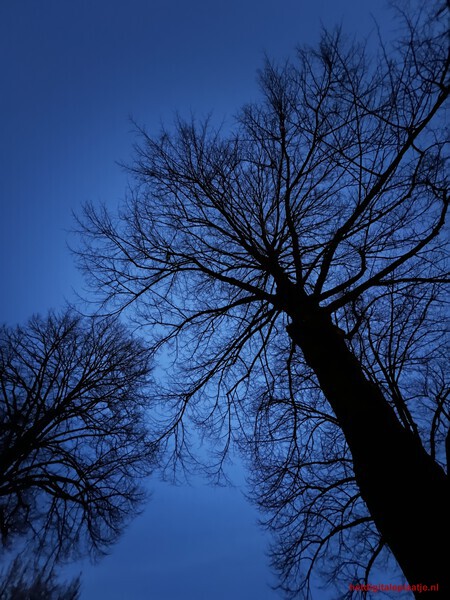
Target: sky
[73, 74]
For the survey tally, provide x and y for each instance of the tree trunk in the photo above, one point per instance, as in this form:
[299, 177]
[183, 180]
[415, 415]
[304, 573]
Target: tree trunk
[405, 490]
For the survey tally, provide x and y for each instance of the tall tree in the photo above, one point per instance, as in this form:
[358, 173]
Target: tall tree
[73, 440]
[295, 268]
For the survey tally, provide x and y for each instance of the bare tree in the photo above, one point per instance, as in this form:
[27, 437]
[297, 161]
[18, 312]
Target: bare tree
[73, 441]
[295, 269]
[31, 581]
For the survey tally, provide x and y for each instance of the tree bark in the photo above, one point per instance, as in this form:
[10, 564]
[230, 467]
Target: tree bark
[405, 490]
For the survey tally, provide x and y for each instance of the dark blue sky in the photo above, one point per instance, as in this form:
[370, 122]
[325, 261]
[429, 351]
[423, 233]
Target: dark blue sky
[73, 71]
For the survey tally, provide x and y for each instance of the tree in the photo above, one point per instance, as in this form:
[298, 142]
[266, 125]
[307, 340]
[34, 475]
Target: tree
[295, 269]
[73, 440]
[24, 581]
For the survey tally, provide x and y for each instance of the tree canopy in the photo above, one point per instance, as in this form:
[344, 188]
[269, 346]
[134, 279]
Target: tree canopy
[73, 440]
[293, 269]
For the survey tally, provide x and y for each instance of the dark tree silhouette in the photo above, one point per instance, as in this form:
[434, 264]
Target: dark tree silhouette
[73, 442]
[29, 581]
[295, 268]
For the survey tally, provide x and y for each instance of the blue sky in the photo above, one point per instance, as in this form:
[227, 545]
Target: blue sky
[73, 72]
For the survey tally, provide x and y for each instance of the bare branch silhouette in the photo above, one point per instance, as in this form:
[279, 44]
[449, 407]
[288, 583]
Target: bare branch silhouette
[73, 440]
[294, 272]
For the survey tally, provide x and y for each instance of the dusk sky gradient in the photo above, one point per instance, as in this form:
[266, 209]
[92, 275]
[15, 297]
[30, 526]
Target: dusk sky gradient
[73, 73]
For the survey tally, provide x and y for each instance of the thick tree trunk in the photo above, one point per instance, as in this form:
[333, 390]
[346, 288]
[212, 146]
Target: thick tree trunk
[405, 490]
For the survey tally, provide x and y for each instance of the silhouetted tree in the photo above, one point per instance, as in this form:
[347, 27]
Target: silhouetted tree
[73, 441]
[295, 269]
[25, 581]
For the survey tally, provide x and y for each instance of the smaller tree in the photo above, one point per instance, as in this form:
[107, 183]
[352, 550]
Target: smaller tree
[73, 441]
[29, 581]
